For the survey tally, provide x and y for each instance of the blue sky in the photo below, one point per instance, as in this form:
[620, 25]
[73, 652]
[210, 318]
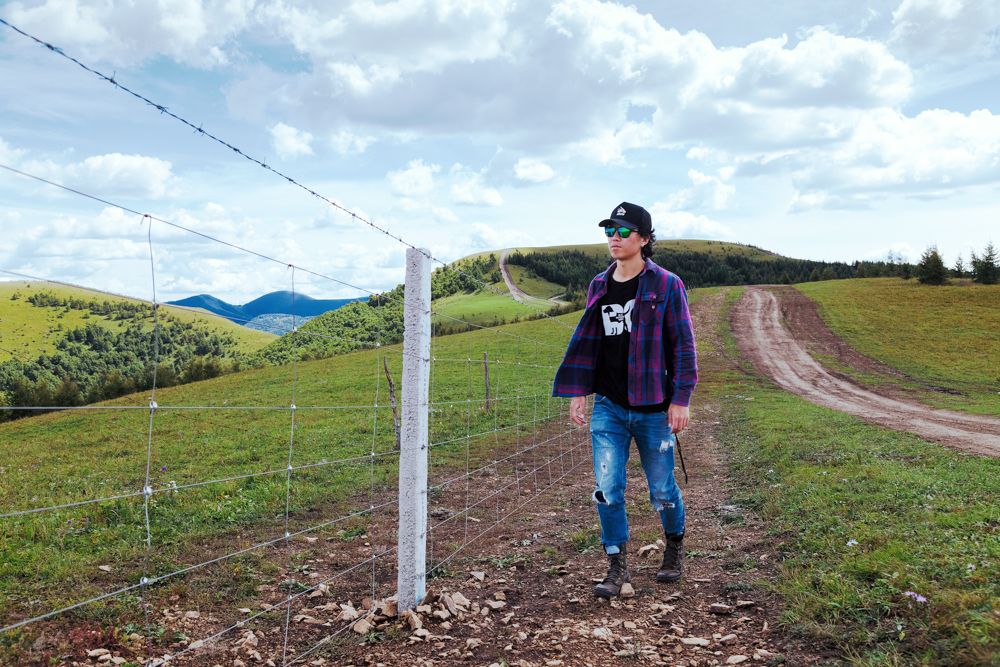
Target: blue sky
[835, 130]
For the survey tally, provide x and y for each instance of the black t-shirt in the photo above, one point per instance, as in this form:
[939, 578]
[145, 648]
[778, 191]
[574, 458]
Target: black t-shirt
[611, 377]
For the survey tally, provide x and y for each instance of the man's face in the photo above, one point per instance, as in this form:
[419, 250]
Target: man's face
[625, 249]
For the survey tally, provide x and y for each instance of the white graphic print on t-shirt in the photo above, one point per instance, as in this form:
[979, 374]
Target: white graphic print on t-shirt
[617, 319]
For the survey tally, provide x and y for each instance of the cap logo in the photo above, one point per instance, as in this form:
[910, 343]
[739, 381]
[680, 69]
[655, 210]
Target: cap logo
[620, 211]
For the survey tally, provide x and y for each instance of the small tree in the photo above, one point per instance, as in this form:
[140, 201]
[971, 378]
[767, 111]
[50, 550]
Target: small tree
[984, 268]
[959, 269]
[930, 270]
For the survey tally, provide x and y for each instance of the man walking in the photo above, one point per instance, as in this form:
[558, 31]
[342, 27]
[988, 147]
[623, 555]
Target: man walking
[634, 349]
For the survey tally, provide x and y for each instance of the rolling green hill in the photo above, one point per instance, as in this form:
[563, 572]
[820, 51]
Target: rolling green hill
[944, 336]
[27, 331]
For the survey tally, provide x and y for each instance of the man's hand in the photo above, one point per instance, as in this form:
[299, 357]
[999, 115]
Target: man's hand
[678, 417]
[577, 409]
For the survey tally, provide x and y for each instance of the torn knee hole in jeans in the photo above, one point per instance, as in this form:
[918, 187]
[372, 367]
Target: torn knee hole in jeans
[599, 497]
[660, 505]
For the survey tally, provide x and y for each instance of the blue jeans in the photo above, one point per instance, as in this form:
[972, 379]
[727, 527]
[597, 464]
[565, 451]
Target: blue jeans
[612, 428]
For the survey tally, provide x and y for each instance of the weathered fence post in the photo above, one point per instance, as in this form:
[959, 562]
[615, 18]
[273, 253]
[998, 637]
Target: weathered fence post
[411, 581]
[486, 378]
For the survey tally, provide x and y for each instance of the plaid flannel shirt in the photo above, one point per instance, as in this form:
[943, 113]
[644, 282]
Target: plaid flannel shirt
[662, 360]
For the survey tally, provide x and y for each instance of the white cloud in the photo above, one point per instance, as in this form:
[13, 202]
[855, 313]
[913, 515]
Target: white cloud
[289, 142]
[706, 191]
[346, 142]
[470, 189]
[110, 175]
[932, 154]
[533, 171]
[926, 30]
[417, 179]
[669, 223]
[122, 31]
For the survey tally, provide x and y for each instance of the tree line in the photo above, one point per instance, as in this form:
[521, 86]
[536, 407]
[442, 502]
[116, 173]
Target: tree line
[983, 268]
[575, 269]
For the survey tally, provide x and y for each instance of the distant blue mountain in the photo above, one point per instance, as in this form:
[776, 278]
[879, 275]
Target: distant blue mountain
[275, 303]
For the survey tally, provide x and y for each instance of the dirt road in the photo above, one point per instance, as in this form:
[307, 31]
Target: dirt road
[520, 295]
[758, 322]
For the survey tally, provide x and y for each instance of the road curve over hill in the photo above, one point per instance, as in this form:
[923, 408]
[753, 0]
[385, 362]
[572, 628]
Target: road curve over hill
[762, 336]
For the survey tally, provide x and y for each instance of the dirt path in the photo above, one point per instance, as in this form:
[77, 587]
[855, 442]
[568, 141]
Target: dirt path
[758, 321]
[520, 295]
[550, 616]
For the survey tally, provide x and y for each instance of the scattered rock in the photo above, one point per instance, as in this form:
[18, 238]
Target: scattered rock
[695, 641]
[719, 608]
[362, 627]
[478, 576]
[727, 639]
[104, 568]
[603, 633]
[495, 604]
[473, 643]
[648, 549]
[740, 604]
[736, 659]
[192, 614]
[626, 591]
[98, 652]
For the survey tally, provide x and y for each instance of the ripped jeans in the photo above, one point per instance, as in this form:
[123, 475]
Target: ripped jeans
[612, 428]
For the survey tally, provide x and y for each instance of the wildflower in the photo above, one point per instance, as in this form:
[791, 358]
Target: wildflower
[916, 596]
[852, 542]
[163, 469]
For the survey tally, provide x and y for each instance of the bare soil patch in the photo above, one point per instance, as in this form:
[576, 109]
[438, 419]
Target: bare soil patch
[776, 329]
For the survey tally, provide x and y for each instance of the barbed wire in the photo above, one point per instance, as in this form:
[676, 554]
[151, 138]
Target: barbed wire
[200, 130]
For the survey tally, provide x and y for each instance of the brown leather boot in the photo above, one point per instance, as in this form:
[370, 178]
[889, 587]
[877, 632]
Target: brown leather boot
[672, 566]
[617, 575]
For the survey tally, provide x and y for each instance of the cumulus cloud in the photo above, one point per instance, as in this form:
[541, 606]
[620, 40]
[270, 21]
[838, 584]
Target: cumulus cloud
[120, 31]
[926, 30]
[935, 152]
[470, 189]
[533, 171]
[113, 174]
[346, 142]
[416, 180]
[289, 142]
[707, 191]
[670, 223]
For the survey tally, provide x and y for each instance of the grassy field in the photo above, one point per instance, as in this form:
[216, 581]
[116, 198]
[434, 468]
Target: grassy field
[27, 331]
[238, 426]
[533, 284]
[889, 544]
[944, 336]
[484, 308]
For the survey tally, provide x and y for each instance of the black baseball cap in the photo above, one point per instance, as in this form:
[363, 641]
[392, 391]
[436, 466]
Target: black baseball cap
[632, 216]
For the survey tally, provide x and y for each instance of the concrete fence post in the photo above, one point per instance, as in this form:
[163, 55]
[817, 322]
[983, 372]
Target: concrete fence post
[412, 546]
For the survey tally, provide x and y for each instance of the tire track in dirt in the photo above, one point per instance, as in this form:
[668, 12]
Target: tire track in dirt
[762, 336]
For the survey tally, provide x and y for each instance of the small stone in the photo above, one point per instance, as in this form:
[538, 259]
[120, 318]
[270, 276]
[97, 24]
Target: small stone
[104, 568]
[695, 641]
[192, 614]
[648, 549]
[424, 609]
[719, 608]
[603, 633]
[473, 643]
[500, 595]
[477, 575]
[741, 604]
[105, 658]
[626, 591]
[460, 600]
[97, 652]
[443, 614]
[362, 627]
[763, 654]
[496, 604]
[728, 639]
[736, 659]
[629, 625]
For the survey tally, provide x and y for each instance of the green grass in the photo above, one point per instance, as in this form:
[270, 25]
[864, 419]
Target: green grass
[27, 331]
[484, 308]
[861, 515]
[941, 336]
[532, 284]
[52, 558]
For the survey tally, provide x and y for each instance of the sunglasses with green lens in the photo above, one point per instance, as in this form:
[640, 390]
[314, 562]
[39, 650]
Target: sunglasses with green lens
[623, 232]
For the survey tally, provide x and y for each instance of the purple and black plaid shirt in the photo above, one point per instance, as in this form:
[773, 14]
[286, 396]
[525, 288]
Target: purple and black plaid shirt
[662, 360]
